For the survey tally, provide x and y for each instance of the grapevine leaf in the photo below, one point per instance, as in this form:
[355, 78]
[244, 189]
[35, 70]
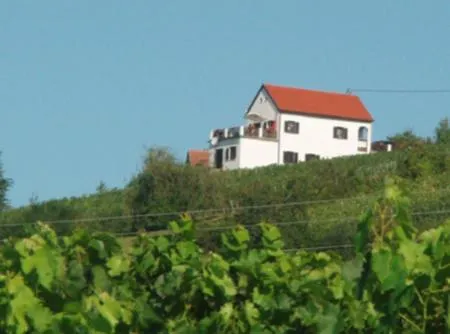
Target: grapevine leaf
[226, 311]
[415, 259]
[162, 243]
[47, 264]
[330, 322]
[99, 247]
[41, 318]
[100, 278]
[389, 268]
[186, 249]
[118, 264]
[251, 313]
[271, 237]
[351, 270]
[174, 227]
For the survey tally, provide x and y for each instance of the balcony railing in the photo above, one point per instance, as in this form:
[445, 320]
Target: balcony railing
[265, 130]
[363, 146]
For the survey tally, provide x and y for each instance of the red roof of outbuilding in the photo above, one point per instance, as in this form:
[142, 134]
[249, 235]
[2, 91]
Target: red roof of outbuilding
[318, 103]
[198, 157]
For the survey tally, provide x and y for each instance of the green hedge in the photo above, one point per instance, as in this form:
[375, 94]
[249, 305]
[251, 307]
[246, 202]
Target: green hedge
[163, 187]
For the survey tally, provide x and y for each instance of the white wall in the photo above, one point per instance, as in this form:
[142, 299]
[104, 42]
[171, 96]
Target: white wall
[250, 153]
[257, 152]
[224, 144]
[263, 107]
[316, 137]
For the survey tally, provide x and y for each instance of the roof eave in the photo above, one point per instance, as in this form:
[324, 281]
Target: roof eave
[326, 116]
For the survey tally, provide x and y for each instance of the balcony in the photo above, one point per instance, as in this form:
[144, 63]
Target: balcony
[263, 130]
[363, 146]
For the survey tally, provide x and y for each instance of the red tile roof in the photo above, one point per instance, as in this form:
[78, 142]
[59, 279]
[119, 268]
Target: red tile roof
[198, 157]
[317, 103]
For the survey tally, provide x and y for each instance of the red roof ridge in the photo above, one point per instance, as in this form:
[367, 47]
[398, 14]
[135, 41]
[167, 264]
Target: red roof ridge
[268, 85]
[317, 103]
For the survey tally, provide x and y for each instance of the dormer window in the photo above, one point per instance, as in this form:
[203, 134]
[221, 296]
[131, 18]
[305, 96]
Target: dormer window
[340, 132]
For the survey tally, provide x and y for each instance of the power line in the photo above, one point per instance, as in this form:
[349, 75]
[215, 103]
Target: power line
[319, 247]
[399, 91]
[214, 210]
[190, 212]
[307, 221]
[287, 223]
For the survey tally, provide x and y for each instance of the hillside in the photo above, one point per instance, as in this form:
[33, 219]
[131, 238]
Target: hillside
[313, 203]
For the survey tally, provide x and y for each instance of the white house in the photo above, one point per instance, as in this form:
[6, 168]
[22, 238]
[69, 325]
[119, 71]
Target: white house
[288, 125]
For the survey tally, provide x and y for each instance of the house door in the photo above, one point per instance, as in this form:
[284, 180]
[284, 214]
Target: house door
[218, 159]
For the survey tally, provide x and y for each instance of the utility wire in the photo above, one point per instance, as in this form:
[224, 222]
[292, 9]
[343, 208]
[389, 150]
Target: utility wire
[319, 247]
[398, 91]
[216, 210]
[178, 213]
[287, 223]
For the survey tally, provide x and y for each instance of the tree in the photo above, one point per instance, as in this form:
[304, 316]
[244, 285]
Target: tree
[154, 182]
[159, 155]
[101, 188]
[407, 139]
[442, 132]
[5, 184]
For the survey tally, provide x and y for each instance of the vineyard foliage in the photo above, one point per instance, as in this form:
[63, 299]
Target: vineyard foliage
[398, 282]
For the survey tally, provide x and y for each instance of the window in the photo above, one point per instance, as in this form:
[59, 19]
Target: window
[363, 133]
[233, 153]
[291, 127]
[310, 156]
[230, 153]
[290, 157]
[340, 132]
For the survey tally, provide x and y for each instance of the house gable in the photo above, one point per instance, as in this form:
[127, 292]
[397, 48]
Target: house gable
[262, 107]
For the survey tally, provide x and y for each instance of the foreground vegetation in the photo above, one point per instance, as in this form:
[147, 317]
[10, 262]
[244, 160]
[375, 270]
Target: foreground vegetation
[399, 281]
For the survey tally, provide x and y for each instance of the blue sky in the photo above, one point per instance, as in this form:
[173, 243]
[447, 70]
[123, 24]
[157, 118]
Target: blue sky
[85, 86]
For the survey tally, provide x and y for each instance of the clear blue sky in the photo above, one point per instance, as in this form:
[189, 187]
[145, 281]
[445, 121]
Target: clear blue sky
[85, 86]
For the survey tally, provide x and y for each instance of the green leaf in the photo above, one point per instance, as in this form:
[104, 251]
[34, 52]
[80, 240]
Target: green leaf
[100, 279]
[351, 270]
[251, 313]
[118, 264]
[99, 247]
[226, 311]
[271, 237]
[415, 259]
[48, 266]
[390, 269]
[330, 322]
[174, 227]
[24, 305]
